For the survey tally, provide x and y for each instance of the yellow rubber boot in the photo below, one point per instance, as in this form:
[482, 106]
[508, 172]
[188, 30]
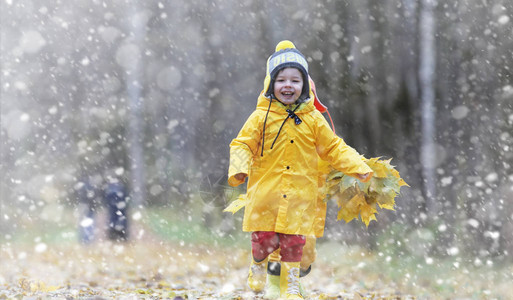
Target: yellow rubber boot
[272, 285]
[289, 281]
[257, 274]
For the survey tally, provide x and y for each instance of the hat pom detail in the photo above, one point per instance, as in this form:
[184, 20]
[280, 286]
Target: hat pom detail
[285, 44]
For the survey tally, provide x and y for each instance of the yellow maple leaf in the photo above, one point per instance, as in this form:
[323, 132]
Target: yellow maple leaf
[39, 286]
[379, 168]
[346, 216]
[396, 174]
[237, 204]
[346, 196]
[367, 213]
[386, 200]
[351, 209]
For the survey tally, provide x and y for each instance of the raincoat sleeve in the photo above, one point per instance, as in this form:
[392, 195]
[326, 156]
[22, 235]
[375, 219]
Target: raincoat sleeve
[243, 148]
[341, 156]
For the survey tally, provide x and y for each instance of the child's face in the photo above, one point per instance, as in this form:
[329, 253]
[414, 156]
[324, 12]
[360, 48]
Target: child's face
[288, 85]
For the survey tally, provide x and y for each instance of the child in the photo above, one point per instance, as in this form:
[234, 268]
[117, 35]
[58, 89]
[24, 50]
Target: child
[280, 158]
[272, 286]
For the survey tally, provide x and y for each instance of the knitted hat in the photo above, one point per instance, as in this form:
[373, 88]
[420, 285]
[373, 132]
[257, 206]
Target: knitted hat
[286, 55]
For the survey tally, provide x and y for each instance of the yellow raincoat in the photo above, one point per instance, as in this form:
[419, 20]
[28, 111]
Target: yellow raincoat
[283, 187]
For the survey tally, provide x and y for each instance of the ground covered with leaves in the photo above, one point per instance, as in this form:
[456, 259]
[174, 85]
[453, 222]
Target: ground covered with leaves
[148, 269]
[166, 260]
[152, 269]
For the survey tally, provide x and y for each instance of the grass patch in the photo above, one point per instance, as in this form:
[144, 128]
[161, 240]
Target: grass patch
[183, 228]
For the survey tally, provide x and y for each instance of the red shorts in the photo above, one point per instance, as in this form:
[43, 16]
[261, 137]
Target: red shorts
[264, 243]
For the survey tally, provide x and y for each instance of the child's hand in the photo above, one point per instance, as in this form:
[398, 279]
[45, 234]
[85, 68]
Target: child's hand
[240, 176]
[363, 177]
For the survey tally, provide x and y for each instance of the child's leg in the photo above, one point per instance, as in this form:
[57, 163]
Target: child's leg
[262, 244]
[291, 247]
[273, 266]
[309, 255]
[291, 251]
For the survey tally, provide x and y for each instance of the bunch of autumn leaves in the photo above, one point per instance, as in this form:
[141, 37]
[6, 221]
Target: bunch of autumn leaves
[358, 199]
[355, 198]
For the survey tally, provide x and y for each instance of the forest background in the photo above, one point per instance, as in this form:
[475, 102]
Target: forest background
[154, 91]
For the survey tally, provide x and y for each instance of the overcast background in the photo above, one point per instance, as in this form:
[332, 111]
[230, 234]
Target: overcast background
[154, 91]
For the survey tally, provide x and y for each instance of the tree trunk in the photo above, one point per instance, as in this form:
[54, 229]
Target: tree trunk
[134, 86]
[427, 93]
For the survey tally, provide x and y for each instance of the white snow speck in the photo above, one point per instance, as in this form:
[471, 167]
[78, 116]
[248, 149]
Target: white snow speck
[366, 49]
[507, 91]
[429, 260]
[473, 222]
[478, 262]
[31, 42]
[52, 110]
[118, 249]
[214, 92]
[86, 222]
[156, 189]
[172, 124]
[492, 177]
[20, 85]
[137, 216]
[85, 61]
[492, 234]
[24, 117]
[119, 171]
[228, 288]
[317, 55]
[22, 255]
[453, 251]
[446, 180]
[16, 123]
[460, 112]
[442, 227]
[40, 248]
[504, 19]
[203, 268]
